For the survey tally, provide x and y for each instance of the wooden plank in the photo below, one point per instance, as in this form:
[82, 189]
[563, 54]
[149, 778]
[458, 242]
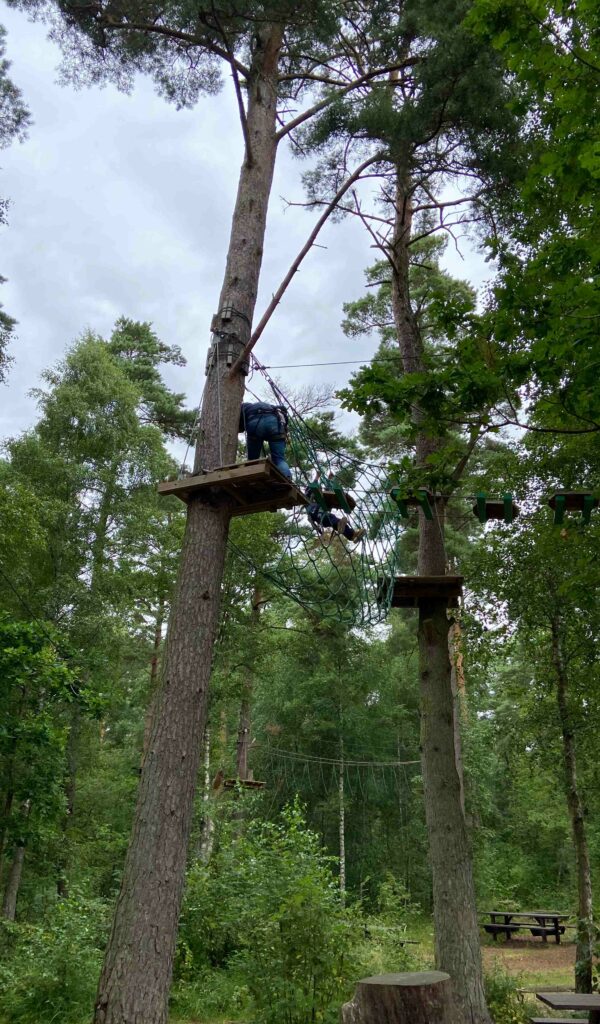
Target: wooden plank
[244, 472]
[275, 503]
[332, 501]
[256, 486]
[570, 1000]
[245, 783]
[573, 500]
[555, 1020]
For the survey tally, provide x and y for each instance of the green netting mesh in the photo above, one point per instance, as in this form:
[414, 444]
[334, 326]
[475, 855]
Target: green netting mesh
[330, 576]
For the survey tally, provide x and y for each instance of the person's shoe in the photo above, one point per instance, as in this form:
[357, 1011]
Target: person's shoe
[358, 534]
[341, 525]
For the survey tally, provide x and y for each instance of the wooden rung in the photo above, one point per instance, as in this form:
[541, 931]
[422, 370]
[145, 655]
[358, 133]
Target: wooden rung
[247, 487]
[411, 591]
[573, 500]
[332, 501]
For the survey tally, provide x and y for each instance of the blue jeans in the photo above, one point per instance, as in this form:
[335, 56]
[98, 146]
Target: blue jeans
[321, 519]
[267, 428]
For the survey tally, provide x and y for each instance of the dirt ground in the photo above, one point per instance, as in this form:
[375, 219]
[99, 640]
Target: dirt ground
[533, 960]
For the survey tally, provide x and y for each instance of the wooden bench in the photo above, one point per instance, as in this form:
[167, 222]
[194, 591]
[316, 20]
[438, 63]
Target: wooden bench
[556, 1020]
[537, 929]
[493, 929]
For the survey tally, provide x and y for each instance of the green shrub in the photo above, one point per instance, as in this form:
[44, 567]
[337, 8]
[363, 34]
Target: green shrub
[210, 995]
[268, 906]
[50, 972]
[503, 998]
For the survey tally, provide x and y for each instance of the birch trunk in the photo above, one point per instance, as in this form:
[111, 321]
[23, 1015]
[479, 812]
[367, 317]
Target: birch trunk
[342, 823]
[208, 826]
[137, 971]
[457, 947]
[245, 719]
[585, 912]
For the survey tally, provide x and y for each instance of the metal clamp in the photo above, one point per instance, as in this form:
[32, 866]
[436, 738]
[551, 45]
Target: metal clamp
[226, 348]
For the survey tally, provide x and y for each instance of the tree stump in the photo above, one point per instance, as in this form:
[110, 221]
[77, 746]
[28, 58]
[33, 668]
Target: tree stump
[418, 997]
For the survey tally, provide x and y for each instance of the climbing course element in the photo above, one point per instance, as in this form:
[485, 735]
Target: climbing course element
[412, 591]
[572, 501]
[405, 499]
[331, 562]
[255, 486]
[489, 508]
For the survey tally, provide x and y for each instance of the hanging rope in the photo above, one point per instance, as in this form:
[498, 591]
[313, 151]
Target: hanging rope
[329, 575]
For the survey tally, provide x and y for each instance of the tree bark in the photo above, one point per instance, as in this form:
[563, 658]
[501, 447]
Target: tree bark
[137, 971]
[457, 946]
[13, 882]
[422, 997]
[585, 912]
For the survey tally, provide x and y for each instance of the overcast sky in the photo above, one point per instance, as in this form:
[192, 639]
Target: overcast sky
[121, 206]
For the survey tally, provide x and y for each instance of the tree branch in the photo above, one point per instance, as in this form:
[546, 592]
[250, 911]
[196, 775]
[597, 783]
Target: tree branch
[361, 80]
[296, 264]
[171, 33]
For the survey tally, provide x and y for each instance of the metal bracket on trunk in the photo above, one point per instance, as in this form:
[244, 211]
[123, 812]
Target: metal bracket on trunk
[226, 348]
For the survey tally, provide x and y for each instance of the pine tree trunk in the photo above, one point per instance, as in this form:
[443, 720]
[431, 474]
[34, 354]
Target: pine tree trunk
[137, 971]
[585, 913]
[457, 946]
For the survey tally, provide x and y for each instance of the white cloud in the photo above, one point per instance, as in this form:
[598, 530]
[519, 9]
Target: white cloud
[121, 205]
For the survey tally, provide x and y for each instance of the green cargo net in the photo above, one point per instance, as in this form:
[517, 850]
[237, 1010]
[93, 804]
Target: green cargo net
[318, 566]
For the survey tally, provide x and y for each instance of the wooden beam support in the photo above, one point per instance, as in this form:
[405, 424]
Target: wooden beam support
[248, 487]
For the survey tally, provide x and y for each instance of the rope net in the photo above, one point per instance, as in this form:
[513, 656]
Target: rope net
[328, 574]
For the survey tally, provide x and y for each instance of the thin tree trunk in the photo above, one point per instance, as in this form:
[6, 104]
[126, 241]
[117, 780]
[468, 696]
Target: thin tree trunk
[245, 719]
[70, 790]
[154, 664]
[457, 946]
[342, 822]
[457, 682]
[136, 975]
[13, 882]
[8, 803]
[585, 912]
[207, 834]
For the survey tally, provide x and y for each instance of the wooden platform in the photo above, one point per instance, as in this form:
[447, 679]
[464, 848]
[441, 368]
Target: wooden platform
[245, 783]
[246, 488]
[411, 591]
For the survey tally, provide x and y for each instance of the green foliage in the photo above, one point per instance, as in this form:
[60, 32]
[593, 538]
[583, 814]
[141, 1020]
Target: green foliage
[14, 121]
[269, 905]
[38, 687]
[49, 971]
[504, 1001]
[546, 305]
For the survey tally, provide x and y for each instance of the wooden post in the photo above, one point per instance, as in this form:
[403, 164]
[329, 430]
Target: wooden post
[418, 997]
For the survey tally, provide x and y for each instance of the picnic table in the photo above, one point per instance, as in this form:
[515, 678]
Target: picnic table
[539, 922]
[570, 1001]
